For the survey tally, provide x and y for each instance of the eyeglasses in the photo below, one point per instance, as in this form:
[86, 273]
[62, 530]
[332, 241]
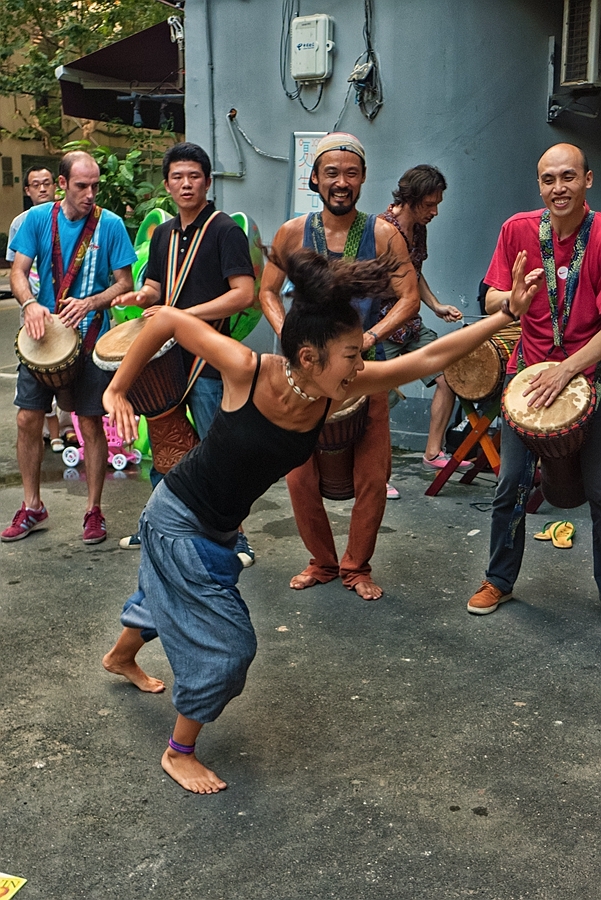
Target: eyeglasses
[40, 184]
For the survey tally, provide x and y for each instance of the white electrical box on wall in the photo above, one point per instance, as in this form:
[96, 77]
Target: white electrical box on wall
[311, 44]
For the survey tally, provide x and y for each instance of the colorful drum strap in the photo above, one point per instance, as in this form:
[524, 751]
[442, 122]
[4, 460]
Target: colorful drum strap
[62, 282]
[353, 238]
[174, 283]
[175, 279]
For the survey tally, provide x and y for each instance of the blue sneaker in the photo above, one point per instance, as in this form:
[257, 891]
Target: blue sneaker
[244, 551]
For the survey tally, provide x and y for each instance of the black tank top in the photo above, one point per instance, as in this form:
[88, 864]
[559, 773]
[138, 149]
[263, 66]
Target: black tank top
[241, 457]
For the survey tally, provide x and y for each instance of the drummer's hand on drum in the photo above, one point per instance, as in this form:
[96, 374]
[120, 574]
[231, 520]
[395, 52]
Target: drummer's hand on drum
[546, 385]
[73, 311]
[131, 298]
[524, 286]
[121, 414]
[35, 317]
[149, 293]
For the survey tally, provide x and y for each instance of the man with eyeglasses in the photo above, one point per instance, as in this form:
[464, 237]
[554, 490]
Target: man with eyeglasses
[40, 187]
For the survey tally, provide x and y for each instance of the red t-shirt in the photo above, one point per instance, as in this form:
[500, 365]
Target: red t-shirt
[520, 232]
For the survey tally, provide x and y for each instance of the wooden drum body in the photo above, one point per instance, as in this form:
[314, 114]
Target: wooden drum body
[554, 433]
[481, 373]
[162, 383]
[335, 449]
[55, 360]
[156, 393]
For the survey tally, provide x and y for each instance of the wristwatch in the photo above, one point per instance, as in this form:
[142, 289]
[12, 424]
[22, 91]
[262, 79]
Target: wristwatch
[505, 309]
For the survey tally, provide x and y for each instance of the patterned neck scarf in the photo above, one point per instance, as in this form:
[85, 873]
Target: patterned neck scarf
[545, 234]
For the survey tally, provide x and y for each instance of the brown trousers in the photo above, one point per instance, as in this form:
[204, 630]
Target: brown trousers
[371, 472]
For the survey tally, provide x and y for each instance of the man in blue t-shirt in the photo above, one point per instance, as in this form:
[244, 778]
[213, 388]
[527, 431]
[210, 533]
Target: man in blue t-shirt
[104, 273]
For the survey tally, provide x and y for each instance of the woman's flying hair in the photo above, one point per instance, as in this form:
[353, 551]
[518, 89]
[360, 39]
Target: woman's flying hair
[322, 293]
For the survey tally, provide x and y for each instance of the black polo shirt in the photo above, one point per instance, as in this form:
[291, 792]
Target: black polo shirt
[222, 254]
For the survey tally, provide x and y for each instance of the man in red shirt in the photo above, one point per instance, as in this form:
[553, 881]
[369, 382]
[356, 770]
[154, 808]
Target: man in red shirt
[562, 324]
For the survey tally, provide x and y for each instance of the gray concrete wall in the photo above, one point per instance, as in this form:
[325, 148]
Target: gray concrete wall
[465, 87]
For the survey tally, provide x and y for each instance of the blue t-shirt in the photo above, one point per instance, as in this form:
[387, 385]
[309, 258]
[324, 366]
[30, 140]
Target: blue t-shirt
[110, 248]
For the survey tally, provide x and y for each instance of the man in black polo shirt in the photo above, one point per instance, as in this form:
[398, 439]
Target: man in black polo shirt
[219, 278]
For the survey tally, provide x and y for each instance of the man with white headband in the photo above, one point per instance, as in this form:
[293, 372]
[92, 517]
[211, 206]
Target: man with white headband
[341, 231]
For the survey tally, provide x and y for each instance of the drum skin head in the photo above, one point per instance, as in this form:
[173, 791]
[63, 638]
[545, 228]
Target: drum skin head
[475, 375]
[567, 408]
[113, 345]
[481, 373]
[57, 345]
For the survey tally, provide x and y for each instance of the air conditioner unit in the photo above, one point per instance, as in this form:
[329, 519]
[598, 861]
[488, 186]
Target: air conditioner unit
[580, 63]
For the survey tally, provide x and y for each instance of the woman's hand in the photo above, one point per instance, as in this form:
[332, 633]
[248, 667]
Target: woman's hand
[121, 414]
[524, 286]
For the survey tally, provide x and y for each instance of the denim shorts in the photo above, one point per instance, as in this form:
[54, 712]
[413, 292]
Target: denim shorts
[83, 396]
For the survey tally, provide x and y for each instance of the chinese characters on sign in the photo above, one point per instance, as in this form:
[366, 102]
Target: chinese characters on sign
[301, 199]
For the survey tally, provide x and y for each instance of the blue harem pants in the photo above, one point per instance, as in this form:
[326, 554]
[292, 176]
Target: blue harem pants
[187, 595]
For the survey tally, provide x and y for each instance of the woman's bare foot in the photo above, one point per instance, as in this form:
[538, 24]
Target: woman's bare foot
[190, 773]
[132, 671]
[367, 590]
[302, 581]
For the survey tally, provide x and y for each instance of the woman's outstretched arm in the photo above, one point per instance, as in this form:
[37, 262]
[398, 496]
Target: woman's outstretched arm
[234, 360]
[441, 353]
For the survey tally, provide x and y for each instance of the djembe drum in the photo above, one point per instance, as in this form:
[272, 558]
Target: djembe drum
[481, 373]
[54, 360]
[554, 433]
[335, 449]
[156, 393]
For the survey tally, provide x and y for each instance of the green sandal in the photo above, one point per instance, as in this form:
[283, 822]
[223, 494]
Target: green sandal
[562, 535]
[545, 534]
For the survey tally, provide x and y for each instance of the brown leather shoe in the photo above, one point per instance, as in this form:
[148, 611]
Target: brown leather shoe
[486, 599]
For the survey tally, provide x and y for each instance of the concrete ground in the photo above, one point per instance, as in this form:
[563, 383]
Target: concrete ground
[393, 749]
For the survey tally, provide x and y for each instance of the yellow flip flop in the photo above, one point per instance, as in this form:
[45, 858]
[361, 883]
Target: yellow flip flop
[562, 535]
[545, 534]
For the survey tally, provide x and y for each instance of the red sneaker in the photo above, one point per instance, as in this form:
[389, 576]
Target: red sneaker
[94, 527]
[25, 521]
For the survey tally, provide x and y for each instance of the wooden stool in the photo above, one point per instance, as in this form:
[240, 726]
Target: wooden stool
[480, 423]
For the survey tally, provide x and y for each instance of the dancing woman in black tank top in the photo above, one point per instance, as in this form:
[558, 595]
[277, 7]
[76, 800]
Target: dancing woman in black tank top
[272, 411]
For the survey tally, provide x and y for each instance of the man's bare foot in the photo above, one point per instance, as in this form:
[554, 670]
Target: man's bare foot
[132, 671]
[302, 581]
[190, 773]
[367, 590]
